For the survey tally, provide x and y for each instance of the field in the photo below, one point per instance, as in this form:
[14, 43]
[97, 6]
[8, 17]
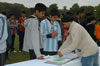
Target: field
[18, 56]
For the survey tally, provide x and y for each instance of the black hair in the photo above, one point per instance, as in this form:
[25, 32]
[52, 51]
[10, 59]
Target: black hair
[89, 14]
[54, 12]
[91, 18]
[9, 16]
[40, 7]
[68, 13]
[23, 12]
[67, 18]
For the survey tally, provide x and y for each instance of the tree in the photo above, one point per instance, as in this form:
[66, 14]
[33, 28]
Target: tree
[64, 9]
[16, 11]
[88, 9]
[12, 8]
[53, 6]
[74, 8]
[97, 11]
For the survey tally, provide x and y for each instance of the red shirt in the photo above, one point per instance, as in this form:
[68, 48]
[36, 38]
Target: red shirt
[13, 30]
[21, 21]
[65, 33]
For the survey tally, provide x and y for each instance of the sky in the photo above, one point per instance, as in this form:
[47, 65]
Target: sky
[60, 3]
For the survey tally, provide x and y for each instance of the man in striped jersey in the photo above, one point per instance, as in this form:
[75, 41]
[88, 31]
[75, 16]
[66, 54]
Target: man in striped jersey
[50, 33]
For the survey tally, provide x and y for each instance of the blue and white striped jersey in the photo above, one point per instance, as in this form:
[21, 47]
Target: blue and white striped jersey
[50, 44]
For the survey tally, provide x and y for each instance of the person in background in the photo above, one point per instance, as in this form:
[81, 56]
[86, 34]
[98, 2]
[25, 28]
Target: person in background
[98, 32]
[86, 19]
[79, 40]
[50, 33]
[12, 27]
[65, 28]
[3, 38]
[32, 32]
[90, 27]
[21, 30]
[79, 15]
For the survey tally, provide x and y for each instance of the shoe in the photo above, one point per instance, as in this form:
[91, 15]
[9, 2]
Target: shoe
[14, 51]
[19, 51]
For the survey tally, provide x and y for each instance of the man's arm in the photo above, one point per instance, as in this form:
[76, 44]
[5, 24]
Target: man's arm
[4, 33]
[73, 45]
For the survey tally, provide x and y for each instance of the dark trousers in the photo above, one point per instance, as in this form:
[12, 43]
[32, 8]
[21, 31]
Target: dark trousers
[32, 54]
[12, 45]
[2, 59]
[21, 39]
[6, 55]
[98, 43]
[49, 53]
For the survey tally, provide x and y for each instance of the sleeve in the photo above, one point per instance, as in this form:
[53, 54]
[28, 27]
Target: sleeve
[19, 21]
[73, 45]
[1, 25]
[59, 32]
[43, 30]
[65, 44]
[97, 32]
[49, 35]
[5, 33]
[10, 25]
[35, 37]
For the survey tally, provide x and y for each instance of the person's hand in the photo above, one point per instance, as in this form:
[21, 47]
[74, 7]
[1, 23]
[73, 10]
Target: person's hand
[41, 57]
[60, 54]
[22, 24]
[54, 34]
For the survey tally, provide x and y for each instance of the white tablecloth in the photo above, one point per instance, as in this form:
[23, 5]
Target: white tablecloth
[42, 63]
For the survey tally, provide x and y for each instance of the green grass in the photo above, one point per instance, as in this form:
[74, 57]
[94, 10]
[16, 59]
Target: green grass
[18, 56]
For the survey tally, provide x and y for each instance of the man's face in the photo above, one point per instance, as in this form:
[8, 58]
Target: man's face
[12, 17]
[40, 14]
[66, 24]
[53, 18]
[81, 15]
[93, 21]
[23, 15]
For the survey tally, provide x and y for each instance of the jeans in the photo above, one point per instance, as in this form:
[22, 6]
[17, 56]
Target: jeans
[90, 60]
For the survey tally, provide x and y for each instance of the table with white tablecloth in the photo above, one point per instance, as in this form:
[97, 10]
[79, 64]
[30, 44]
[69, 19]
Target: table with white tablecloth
[37, 62]
[42, 63]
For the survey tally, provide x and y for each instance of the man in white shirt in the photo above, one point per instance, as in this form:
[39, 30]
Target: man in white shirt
[3, 38]
[32, 37]
[79, 40]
